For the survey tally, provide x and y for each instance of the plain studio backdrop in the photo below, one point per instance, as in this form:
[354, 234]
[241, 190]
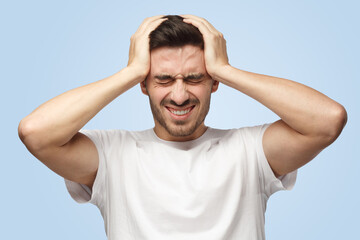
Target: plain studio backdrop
[49, 47]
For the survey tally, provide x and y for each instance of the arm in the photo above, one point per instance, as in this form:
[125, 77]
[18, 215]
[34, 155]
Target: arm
[310, 121]
[50, 132]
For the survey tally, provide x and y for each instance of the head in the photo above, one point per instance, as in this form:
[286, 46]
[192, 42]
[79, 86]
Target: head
[178, 86]
[175, 33]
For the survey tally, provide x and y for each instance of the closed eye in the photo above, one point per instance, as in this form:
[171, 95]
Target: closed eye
[164, 79]
[164, 82]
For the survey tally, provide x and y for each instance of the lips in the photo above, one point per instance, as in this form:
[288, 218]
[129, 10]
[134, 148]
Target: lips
[180, 113]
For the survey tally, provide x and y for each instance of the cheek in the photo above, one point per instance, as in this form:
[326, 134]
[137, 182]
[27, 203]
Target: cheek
[202, 92]
[157, 94]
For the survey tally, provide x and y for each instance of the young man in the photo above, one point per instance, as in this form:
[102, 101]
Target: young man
[181, 179]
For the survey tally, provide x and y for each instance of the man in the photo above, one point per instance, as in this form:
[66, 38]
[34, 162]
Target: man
[181, 179]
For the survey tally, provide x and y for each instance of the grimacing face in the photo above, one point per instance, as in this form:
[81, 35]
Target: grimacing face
[179, 90]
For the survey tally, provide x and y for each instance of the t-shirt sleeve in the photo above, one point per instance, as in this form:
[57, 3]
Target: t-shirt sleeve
[271, 183]
[82, 193]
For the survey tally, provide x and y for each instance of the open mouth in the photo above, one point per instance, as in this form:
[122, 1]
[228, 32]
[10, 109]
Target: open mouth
[183, 113]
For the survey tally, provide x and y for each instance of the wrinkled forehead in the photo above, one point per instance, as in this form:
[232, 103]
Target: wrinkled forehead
[177, 60]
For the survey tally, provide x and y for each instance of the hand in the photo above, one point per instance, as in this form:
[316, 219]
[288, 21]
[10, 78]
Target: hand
[139, 52]
[215, 53]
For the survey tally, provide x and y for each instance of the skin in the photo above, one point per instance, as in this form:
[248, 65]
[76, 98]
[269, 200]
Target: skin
[178, 81]
[66, 151]
[309, 120]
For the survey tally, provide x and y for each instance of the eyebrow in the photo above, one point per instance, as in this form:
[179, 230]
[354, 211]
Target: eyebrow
[165, 76]
[195, 76]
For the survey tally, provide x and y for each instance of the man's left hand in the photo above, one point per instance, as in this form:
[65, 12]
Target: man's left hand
[215, 53]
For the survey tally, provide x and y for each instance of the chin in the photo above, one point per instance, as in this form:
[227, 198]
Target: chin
[181, 130]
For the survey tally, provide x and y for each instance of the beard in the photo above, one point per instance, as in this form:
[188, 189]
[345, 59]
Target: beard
[180, 128]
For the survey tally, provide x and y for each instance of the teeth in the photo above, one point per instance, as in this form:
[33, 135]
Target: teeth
[183, 112]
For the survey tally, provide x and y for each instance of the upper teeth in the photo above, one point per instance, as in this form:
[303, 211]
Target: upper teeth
[182, 112]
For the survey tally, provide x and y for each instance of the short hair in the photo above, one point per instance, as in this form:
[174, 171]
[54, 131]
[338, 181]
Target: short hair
[174, 32]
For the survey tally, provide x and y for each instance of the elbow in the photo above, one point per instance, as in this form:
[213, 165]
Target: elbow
[336, 123]
[28, 135]
[23, 130]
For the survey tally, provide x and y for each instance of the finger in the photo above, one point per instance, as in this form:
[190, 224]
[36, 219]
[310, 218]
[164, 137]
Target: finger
[148, 21]
[205, 31]
[142, 38]
[153, 25]
[202, 20]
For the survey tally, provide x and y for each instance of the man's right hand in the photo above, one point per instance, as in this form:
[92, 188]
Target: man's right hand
[51, 132]
[139, 52]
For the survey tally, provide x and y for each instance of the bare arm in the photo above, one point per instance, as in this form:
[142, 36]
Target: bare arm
[310, 121]
[50, 132]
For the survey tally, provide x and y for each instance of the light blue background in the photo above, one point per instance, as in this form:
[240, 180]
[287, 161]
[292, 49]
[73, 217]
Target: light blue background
[49, 47]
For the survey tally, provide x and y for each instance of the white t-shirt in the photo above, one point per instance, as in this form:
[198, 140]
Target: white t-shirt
[212, 188]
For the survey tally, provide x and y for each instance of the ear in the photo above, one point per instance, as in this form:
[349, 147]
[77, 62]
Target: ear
[215, 86]
[143, 87]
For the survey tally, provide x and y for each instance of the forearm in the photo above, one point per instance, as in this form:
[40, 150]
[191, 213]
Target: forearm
[56, 121]
[304, 109]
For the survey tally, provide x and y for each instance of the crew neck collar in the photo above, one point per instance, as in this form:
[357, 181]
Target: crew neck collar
[186, 144]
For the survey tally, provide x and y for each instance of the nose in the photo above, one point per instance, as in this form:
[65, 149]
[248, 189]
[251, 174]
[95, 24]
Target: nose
[179, 93]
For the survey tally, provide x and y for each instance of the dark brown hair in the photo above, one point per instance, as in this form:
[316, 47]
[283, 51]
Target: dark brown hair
[173, 32]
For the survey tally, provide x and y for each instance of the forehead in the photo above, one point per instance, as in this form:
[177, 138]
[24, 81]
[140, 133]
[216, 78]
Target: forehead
[177, 60]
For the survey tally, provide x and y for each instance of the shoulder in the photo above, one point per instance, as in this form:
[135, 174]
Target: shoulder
[103, 133]
[108, 136]
[247, 133]
[254, 131]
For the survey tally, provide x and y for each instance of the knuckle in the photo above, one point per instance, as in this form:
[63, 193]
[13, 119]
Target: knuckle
[134, 36]
[214, 37]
